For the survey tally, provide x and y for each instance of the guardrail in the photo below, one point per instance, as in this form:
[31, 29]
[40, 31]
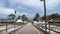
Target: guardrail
[41, 29]
[7, 28]
[53, 30]
[15, 30]
[4, 29]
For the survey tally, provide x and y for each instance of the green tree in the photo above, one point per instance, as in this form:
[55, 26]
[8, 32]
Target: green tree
[55, 16]
[52, 16]
[37, 17]
[18, 17]
[24, 18]
[11, 16]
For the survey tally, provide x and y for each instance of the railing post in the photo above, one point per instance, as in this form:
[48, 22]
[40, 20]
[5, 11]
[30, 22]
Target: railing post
[14, 25]
[49, 28]
[6, 27]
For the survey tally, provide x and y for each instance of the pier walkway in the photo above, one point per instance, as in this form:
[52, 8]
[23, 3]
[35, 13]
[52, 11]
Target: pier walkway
[28, 29]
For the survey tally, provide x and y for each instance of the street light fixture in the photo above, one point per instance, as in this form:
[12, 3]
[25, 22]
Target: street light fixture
[45, 14]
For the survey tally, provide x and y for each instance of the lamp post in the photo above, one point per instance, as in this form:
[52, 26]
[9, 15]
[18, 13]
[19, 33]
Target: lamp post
[45, 14]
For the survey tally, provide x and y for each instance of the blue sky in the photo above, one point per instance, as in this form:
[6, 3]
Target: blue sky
[28, 7]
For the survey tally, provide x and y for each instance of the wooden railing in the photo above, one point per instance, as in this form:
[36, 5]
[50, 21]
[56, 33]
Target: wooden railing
[38, 27]
[41, 29]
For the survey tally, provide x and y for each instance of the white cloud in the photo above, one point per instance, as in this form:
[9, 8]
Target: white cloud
[7, 11]
[4, 10]
[30, 3]
[37, 3]
[23, 13]
[52, 3]
[2, 3]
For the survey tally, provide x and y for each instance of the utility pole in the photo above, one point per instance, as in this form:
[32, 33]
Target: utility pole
[45, 14]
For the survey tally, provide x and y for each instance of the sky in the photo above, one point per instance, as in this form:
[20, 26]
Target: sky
[28, 7]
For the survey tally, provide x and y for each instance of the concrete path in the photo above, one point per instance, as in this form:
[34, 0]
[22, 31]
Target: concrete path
[28, 29]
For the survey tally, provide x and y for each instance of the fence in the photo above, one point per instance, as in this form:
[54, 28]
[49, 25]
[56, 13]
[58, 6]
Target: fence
[51, 29]
[8, 27]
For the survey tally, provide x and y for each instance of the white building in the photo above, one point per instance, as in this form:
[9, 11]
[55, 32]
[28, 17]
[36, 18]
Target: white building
[19, 21]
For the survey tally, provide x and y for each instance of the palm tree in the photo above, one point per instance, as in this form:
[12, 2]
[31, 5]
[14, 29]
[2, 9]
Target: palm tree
[11, 16]
[18, 17]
